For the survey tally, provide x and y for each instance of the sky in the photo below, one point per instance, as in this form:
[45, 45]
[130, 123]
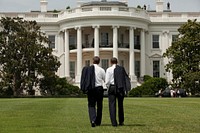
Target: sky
[34, 5]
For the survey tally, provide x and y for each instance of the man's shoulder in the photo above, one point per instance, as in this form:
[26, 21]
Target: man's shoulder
[109, 68]
[119, 67]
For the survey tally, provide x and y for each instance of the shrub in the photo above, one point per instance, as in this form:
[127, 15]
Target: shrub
[5, 91]
[136, 92]
[150, 87]
[146, 77]
[58, 86]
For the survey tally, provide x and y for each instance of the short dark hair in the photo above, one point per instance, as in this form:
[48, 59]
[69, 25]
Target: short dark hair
[113, 60]
[96, 60]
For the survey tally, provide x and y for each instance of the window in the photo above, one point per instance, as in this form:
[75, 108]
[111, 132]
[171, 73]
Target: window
[137, 69]
[104, 63]
[52, 39]
[137, 42]
[87, 63]
[174, 38]
[72, 69]
[121, 63]
[104, 39]
[72, 42]
[156, 68]
[121, 43]
[155, 41]
[87, 41]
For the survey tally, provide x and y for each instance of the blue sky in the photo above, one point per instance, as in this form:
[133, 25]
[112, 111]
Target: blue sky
[28, 5]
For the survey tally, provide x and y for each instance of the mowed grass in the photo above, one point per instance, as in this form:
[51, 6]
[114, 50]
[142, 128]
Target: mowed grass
[70, 115]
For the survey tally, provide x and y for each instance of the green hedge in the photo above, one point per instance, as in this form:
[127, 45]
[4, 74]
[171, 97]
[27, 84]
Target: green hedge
[149, 87]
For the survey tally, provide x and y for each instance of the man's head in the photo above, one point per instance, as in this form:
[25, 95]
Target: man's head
[114, 60]
[96, 60]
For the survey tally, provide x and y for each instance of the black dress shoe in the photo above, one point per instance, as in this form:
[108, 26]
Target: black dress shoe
[121, 124]
[114, 125]
[93, 124]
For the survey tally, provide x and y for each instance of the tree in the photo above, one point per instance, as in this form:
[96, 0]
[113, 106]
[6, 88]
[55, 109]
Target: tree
[184, 55]
[23, 57]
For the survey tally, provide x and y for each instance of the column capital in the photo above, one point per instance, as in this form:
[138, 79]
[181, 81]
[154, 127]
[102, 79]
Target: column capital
[96, 26]
[132, 28]
[77, 28]
[66, 30]
[143, 30]
[165, 32]
[115, 26]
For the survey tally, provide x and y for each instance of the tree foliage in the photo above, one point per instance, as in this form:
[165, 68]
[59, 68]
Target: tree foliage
[23, 57]
[184, 54]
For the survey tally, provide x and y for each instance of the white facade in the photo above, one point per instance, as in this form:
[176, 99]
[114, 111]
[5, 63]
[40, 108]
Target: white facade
[138, 38]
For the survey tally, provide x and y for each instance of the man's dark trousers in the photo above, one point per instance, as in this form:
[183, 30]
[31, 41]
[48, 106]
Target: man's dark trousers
[95, 96]
[114, 94]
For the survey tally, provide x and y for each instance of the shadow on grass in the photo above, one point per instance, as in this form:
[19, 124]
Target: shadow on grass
[131, 125]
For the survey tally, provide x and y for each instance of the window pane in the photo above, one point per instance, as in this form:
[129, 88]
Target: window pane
[155, 41]
[174, 38]
[104, 39]
[137, 42]
[104, 64]
[72, 69]
[137, 68]
[52, 39]
[87, 63]
[121, 63]
[156, 68]
[72, 42]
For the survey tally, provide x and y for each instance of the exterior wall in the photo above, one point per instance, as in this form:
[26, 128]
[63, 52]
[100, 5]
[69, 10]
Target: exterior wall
[116, 21]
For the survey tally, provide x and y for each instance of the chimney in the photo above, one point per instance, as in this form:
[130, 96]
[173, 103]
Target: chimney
[159, 5]
[43, 5]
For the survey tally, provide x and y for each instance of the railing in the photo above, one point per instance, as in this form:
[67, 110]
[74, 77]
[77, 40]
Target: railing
[123, 45]
[109, 10]
[137, 46]
[108, 45]
[103, 45]
[81, 11]
[173, 16]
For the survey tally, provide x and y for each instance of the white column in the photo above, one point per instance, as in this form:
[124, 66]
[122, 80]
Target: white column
[67, 54]
[115, 43]
[165, 45]
[142, 53]
[79, 54]
[96, 40]
[131, 55]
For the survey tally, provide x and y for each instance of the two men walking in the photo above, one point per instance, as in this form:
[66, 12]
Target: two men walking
[118, 84]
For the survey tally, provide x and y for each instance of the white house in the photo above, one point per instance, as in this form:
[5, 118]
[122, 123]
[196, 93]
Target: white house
[137, 37]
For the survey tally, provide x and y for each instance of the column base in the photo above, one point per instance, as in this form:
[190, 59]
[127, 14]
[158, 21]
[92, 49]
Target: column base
[133, 79]
[77, 79]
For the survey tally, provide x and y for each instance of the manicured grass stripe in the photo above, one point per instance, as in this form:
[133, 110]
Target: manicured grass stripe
[70, 115]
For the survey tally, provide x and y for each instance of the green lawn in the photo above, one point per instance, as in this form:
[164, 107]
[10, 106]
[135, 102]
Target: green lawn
[69, 115]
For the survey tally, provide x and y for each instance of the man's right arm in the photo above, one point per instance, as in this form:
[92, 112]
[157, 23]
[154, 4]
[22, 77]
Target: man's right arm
[107, 80]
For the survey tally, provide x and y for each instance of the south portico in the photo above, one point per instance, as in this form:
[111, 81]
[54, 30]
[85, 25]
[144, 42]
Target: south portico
[81, 43]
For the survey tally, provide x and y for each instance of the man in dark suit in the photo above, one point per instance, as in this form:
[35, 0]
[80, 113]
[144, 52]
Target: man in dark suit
[118, 85]
[92, 79]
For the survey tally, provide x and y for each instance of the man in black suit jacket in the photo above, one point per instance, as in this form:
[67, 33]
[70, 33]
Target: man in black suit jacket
[118, 84]
[92, 83]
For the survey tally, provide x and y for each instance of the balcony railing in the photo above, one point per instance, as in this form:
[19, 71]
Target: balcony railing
[80, 12]
[108, 45]
[123, 45]
[103, 45]
[100, 10]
